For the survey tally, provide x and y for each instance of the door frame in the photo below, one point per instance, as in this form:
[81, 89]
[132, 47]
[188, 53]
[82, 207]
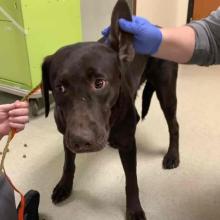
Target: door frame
[190, 10]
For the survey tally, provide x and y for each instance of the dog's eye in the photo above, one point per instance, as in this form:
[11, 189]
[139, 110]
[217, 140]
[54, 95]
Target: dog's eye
[61, 88]
[99, 83]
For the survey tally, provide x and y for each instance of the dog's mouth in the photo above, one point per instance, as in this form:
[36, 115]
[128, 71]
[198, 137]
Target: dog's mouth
[89, 149]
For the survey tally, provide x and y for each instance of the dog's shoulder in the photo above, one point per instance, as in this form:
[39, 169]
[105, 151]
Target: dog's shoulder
[124, 119]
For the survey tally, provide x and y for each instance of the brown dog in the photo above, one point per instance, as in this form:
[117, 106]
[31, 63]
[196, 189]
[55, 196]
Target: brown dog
[94, 86]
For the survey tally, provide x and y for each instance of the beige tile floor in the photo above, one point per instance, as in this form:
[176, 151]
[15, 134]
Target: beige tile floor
[191, 192]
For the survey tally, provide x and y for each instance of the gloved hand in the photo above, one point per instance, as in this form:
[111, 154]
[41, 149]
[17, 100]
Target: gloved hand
[147, 37]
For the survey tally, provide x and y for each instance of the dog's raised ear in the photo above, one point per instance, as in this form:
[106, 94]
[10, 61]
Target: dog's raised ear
[119, 40]
[45, 88]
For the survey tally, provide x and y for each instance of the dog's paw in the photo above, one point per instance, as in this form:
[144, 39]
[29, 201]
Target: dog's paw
[61, 192]
[171, 161]
[138, 215]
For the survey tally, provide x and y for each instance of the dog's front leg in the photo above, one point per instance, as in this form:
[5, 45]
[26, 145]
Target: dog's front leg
[64, 188]
[128, 159]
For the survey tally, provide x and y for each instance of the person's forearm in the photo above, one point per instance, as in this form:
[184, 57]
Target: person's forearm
[177, 44]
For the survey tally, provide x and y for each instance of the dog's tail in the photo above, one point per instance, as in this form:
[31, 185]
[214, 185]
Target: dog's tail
[146, 98]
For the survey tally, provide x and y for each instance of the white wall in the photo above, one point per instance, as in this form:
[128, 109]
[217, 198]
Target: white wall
[96, 15]
[164, 13]
[182, 9]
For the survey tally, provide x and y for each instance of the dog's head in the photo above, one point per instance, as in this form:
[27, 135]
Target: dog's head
[86, 80]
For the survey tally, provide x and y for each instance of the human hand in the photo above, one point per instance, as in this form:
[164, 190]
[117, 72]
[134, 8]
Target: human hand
[13, 116]
[147, 37]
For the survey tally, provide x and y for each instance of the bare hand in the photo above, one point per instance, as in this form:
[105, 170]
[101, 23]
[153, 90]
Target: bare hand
[13, 116]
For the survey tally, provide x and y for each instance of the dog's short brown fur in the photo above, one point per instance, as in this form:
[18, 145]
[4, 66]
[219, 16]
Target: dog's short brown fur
[94, 86]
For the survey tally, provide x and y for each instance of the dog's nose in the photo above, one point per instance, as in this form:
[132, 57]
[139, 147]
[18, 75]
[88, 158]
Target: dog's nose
[82, 144]
[84, 140]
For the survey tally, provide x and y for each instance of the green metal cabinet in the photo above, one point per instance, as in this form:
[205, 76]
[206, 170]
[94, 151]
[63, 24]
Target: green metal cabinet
[31, 30]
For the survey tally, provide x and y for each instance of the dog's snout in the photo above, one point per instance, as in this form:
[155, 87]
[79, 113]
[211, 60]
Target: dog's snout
[80, 141]
[81, 144]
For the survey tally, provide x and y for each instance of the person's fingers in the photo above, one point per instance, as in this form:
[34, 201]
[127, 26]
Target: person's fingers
[18, 130]
[19, 119]
[16, 126]
[3, 115]
[19, 104]
[128, 26]
[106, 32]
[19, 112]
[7, 107]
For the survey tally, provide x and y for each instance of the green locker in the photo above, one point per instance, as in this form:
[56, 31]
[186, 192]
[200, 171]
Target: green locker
[29, 31]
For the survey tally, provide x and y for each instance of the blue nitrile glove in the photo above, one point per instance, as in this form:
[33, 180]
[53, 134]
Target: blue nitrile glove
[147, 37]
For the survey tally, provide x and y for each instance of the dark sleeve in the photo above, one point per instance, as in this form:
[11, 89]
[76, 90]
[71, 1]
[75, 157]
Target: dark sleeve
[7, 200]
[207, 47]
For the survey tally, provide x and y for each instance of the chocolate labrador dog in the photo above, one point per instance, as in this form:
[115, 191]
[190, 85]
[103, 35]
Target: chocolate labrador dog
[94, 85]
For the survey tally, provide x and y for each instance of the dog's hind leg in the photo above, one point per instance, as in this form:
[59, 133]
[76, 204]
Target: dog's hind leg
[64, 188]
[128, 159]
[168, 101]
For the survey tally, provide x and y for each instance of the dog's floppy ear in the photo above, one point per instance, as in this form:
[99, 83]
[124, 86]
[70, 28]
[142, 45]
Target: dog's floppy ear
[119, 40]
[45, 88]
